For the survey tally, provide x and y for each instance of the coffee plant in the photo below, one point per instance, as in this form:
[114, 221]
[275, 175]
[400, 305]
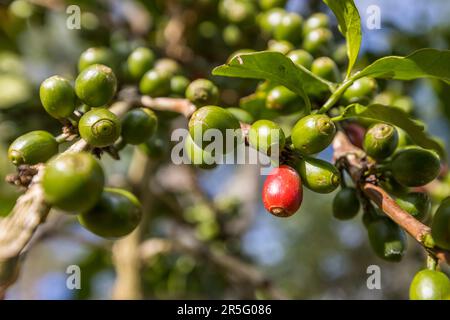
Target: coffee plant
[313, 92]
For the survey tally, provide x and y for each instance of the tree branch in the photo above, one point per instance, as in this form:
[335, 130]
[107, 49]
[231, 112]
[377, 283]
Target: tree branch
[356, 164]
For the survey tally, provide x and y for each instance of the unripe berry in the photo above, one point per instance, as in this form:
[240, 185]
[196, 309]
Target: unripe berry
[318, 175]
[156, 147]
[346, 204]
[99, 55]
[282, 192]
[326, 68]
[285, 101]
[289, 28]
[241, 115]
[316, 21]
[266, 136]
[237, 11]
[116, 214]
[73, 182]
[417, 204]
[281, 46]
[211, 117]
[139, 62]
[155, 83]
[430, 285]
[199, 157]
[380, 141]
[32, 148]
[232, 35]
[202, 92]
[361, 91]
[178, 85]
[440, 227]
[270, 20]
[318, 41]
[138, 125]
[415, 166]
[58, 97]
[168, 66]
[302, 58]
[269, 4]
[96, 85]
[387, 239]
[99, 127]
[313, 133]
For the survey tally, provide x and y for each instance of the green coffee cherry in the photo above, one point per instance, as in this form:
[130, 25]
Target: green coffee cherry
[414, 166]
[138, 125]
[380, 141]
[361, 91]
[99, 55]
[178, 85]
[73, 182]
[370, 215]
[202, 92]
[318, 175]
[281, 46]
[156, 147]
[393, 187]
[241, 115]
[264, 135]
[198, 157]
[387, 239]
[289, 28]
[340, 54]
[32, 148]
[139, 62]
[232, 35]
[211, 117]
[404, 139]
[58, 97]
[430, 285]
[318, 41]
[155, 83]
[404, 103]
[237, 11]
[301, 58]
[270, 20]
[269, 4]
[417, 204]
[346, 204]
[440, 227]
[116, 214]
[285, 101]
[316, 21]
[96, 85]
[168, 66]
[326, 68]
[99, 127]
[313, 133]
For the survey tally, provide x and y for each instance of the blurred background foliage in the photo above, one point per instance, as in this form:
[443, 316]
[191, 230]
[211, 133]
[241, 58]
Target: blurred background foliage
[308, 256]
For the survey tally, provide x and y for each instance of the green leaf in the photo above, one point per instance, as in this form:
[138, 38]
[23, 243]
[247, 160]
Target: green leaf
[395, 117]
[350, 25]
[275, 67]
[424, 63]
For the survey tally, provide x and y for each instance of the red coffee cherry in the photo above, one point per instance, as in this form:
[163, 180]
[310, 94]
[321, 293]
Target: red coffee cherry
[282, 192]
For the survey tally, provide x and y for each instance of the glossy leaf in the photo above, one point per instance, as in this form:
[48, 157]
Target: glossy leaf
[277, 68]
[350, 25]
[424, 63]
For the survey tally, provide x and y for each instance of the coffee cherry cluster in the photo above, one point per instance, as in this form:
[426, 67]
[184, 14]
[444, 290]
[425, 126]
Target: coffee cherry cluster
[75, 182]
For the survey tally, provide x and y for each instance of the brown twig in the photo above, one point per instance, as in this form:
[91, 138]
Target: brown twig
[355, 163]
